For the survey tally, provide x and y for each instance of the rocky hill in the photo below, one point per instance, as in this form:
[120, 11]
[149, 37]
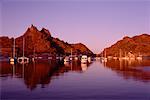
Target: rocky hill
[40, 42]
[136, 45]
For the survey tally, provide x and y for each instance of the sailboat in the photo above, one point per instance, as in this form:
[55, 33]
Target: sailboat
[23, 59]
[13, 59]
[84, 59]
[115, 57]
[120, 55]
[33, 58]
[139, 57]
[71, 56]
[104, 59]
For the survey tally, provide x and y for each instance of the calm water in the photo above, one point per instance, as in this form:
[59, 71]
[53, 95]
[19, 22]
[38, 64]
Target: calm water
[45, 80]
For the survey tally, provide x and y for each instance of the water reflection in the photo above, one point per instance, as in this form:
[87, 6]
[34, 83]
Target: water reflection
[131, 69]
[44, 72]
[39, 72]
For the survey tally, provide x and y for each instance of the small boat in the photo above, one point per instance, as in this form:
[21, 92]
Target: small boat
[23, 59]
[104, 59]
[76, 58]
[57, 58]
[70, 57]
[89, 59]
[66, 59]
[84, 59]
[60, 58]
[125, 58]
[97, 58]
[115, 58]
[50, 58]
[13, 59]
[139, 58]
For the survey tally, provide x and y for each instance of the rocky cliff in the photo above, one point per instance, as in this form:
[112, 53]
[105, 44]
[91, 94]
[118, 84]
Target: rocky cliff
[40, 42]
[136, 45]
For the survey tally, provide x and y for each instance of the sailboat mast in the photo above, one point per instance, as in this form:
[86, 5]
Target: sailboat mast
[120, 53]
[34, 52]
[14, 49]
[23, 46]
[105, 53]
[71, 52]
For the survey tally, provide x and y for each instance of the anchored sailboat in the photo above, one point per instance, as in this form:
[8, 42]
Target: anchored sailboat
[104, 59]
[23, 59]
[13, 59]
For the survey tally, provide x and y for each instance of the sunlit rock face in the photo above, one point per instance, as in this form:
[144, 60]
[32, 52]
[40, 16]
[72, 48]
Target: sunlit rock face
[136, 45]
[40, 42]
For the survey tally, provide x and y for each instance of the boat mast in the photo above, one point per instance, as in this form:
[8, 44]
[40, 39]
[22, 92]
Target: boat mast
[34, 52]
[71, 52]
[120, 53]
[105, 52]
[23, 46]
[14, 49]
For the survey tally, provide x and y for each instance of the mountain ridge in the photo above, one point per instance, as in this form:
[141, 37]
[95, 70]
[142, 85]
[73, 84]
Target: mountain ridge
[135, 45]
[41, 41]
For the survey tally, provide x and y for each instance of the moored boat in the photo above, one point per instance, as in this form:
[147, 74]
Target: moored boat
[84, 59]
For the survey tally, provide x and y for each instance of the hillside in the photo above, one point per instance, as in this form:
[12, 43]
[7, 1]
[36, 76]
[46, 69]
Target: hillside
[136, 45]
[40, 42]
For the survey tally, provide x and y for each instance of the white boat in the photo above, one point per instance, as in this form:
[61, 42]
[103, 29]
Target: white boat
[84, 59]
[120, 55]
[39, 57]
[50, 58]
[66, 59]
[23, 59]
[125, 58]
[139, 57]
[71, 58]
[13, 59]
[60, 58]
[97, 58]
[89, 59]
[115, 58]
[104, 59]
[75, 58]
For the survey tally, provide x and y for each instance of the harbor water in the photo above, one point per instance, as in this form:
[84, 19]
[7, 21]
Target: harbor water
[52, 80]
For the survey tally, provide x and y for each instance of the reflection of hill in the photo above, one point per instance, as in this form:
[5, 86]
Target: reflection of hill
[131, 69]
[38, 73]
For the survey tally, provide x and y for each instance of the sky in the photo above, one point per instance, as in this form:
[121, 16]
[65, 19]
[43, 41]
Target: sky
[96, 23]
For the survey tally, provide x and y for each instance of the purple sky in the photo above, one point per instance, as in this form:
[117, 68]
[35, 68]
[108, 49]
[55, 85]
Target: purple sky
[96, 23]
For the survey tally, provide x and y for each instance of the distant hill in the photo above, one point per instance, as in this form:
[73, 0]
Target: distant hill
[40, 42]
[136, 45]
